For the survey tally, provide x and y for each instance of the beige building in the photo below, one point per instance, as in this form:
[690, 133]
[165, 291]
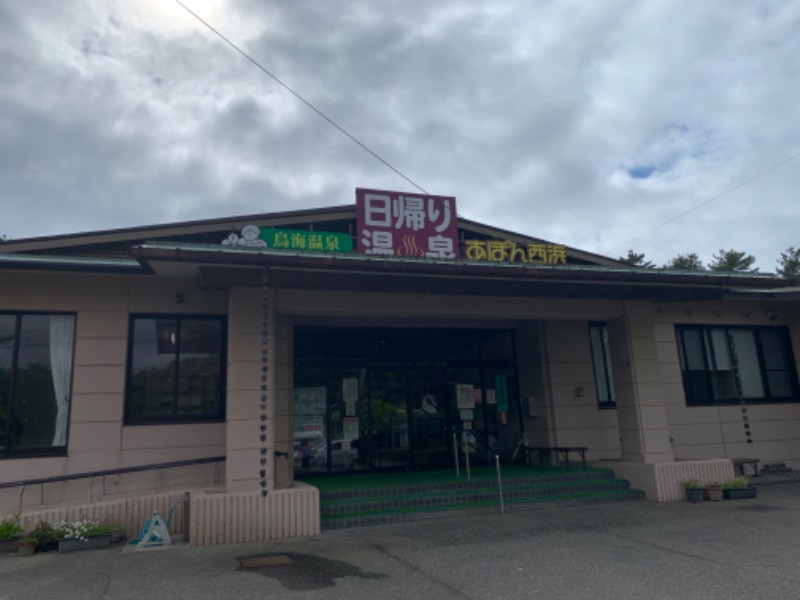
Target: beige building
[227, 357]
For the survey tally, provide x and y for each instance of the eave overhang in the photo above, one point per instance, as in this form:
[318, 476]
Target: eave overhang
[219, 267]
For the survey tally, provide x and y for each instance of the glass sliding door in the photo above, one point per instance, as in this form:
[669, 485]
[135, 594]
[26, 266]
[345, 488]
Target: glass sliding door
[388, 402]
[386, 399]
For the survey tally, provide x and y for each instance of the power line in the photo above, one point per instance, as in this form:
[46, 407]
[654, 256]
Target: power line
[299, 97]
[709, 201]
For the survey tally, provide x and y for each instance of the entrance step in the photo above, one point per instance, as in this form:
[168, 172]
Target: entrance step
[404, 498]
[775, 467]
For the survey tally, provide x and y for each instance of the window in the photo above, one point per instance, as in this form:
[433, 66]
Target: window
[35, 382]
[175, 369]
[725, 365]
[601, 361]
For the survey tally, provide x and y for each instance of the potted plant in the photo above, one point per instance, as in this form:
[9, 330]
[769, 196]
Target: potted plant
[713, 491]
[10, 531]
[738, 488]
[46, 538]
[82, 535]
[694, 490]
[26, 546]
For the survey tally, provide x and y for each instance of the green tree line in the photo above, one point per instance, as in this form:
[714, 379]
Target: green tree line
[724, 260]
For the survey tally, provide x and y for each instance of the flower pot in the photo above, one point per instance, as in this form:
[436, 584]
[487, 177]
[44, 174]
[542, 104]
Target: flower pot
[26, 548]
[100, 541]
[694, 494]
[8, 545]
[713, 494]
[741, 493]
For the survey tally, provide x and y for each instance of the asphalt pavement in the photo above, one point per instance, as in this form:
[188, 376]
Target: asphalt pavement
[743, 549]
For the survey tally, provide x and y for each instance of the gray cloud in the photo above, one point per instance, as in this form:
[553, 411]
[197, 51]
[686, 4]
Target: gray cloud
[584, 123]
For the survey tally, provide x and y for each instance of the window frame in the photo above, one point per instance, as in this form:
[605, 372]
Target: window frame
[605, 352]
[47, 451]
[763, 372]
[129, 419]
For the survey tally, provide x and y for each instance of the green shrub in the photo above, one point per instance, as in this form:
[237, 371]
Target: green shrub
[10, 528]
[735, 483]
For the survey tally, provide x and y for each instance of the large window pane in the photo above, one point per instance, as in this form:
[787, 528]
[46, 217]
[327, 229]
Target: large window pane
[778, 362]
[764, 358]
[199, 367]
[34, 400]
[601, 361]
[175, 369]
[8, 326]
[744, 342]
[152, 367]
[35, 381]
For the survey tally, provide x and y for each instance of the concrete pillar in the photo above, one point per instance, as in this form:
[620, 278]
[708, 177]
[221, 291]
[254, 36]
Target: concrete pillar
[641, 412]
[242, 445]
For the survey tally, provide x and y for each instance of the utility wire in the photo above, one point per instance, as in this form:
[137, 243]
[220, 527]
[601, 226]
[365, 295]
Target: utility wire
[709, 201]
[299, 97]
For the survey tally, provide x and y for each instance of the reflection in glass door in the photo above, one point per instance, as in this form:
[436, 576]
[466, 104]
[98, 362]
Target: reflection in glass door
[430, 422]
[389, 439]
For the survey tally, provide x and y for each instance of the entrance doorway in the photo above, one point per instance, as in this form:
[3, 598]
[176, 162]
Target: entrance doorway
[370, 399]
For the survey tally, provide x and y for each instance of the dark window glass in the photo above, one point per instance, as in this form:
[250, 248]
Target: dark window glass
[35, 381]
[175, 369]
[601, 361]
[725, 365]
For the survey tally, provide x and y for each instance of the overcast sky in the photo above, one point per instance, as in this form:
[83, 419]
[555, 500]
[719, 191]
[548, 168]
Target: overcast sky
[586, 123]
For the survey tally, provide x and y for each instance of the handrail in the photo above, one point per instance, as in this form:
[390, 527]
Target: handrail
[120, 471]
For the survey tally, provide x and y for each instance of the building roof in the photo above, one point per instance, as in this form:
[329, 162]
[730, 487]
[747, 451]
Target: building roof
[194, 249]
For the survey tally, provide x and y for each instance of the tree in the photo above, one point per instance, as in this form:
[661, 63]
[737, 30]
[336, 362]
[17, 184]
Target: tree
[789, 264]
[733, 260]
[636, 260]
[685, 262]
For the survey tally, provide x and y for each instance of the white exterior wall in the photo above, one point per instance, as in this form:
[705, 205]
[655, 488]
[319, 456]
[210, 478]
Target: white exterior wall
[97, 438]
[574, 417]
[718, 432]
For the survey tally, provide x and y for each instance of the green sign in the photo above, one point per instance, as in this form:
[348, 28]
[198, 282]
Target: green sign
[501, 385]
[317, 241]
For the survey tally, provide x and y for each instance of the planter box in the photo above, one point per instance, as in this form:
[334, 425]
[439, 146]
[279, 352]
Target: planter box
[694, 494]
[741, 493]
[100, 541]
[8, 545]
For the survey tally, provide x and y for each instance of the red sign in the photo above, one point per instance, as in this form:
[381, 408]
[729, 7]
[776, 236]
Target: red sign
[398, 224]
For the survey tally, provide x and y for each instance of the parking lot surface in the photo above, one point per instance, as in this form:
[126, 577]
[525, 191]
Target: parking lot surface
[745, 549]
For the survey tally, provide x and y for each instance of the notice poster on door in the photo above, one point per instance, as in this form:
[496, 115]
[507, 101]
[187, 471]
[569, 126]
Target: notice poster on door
[309, 401]
[491, 397]
[350, 426]
[477, 394]
[350, 390]
[466, 414]
[465, 397]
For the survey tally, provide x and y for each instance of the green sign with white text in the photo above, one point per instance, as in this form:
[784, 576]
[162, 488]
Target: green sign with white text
[318, 241]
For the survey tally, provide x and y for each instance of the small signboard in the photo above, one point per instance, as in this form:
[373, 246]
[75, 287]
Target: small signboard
[501, 384]
[256, 237]
[464, 396]
[309, 401]
[350, 389]
[406, 225]
[350, 427]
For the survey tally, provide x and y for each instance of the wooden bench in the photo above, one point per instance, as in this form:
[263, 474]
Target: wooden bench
[739, 464]
[562, 451]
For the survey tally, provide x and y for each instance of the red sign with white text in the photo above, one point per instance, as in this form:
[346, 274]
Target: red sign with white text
[398, 224]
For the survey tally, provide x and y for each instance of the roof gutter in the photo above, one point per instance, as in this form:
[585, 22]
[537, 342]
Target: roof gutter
[33, 262]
